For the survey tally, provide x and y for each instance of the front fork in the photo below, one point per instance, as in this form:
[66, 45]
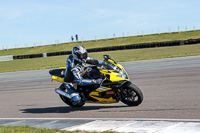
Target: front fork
[120, 90]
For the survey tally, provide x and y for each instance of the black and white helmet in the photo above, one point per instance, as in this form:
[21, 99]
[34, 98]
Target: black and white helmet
[79, 52]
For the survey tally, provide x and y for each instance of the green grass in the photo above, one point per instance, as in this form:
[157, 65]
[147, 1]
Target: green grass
[119, 56]
[28, 129]
[104, 43]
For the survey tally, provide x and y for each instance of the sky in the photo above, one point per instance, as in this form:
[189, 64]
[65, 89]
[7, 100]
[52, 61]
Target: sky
[25, 23]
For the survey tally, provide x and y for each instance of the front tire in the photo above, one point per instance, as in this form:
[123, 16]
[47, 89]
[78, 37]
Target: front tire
[131, 95]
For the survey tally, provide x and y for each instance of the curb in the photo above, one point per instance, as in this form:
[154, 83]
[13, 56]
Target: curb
[135, 125]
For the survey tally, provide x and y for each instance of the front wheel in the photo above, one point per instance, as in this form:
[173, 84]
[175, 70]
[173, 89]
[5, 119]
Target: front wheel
[131, 95]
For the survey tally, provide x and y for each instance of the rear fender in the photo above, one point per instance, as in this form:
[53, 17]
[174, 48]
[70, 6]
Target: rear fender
[57, 72]
[59, 79]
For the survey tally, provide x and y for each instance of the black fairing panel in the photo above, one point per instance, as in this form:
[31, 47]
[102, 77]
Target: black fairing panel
[94, 72]
[57, 72]
[116, 84]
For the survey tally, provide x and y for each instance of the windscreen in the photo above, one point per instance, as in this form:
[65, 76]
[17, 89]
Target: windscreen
[110, 66]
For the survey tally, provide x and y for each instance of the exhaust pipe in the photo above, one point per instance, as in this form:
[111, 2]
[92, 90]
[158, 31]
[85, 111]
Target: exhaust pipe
[63, 93]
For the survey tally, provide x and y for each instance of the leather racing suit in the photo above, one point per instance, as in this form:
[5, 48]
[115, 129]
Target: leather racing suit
[73, 75]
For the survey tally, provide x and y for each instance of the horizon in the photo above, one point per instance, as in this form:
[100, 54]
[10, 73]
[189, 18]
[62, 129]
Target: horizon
[104, 39]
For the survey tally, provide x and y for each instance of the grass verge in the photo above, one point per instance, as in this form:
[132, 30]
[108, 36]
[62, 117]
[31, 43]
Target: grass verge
[29, 129]
[104, 43]
[119, 56]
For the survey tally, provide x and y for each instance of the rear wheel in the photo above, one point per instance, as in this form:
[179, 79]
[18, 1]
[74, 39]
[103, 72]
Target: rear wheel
[68, 101]
[131, 95]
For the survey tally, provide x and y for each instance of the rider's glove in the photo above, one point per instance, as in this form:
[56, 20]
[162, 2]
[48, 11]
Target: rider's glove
[97, 81]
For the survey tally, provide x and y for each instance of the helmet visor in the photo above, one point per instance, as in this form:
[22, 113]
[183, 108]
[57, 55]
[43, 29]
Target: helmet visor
[83, 56]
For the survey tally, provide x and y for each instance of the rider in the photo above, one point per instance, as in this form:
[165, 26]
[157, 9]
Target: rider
[73, 74]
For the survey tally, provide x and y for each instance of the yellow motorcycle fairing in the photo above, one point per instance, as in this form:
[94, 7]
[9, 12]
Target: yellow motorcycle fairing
[106, 98]
[114, 76]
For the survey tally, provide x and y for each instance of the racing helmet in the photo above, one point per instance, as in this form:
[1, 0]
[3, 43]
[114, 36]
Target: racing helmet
[79, 52]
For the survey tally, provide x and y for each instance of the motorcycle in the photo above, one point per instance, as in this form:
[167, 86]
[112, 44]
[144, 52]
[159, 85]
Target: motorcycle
[115, 86]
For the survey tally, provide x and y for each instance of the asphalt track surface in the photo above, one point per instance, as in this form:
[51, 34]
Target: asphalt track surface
[171, 89]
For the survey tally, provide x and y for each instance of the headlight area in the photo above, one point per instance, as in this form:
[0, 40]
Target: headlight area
[123, 74]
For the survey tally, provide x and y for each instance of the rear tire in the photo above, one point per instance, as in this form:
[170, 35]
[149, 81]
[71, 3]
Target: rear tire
[131, 95]
[67, 100]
